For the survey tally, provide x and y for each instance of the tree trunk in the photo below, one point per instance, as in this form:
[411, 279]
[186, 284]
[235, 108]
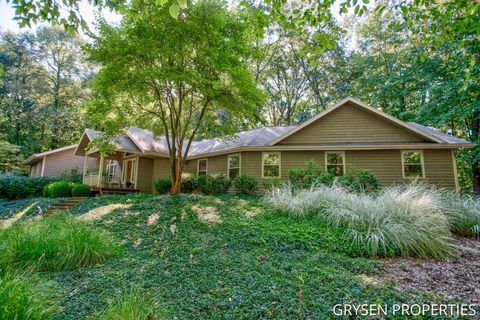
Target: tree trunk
[476, 163]
[177, 177]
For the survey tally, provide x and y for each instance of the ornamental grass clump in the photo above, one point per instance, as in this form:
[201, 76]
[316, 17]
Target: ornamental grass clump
[55, 243]
[463, 214]
[403, 220]
[20, 299]
[132, 306]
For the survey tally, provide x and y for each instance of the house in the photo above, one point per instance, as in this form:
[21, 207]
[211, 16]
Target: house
[53, 162]
[350, 133]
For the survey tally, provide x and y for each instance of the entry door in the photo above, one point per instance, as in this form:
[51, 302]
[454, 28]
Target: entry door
[129, 173]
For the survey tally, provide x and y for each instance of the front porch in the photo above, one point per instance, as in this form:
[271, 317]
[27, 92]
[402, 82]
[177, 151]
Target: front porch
[116, 174]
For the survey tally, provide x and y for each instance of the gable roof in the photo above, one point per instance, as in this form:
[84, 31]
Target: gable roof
[441, 135]
[124, 143]
[36, 156]
[255, 137]
[138, 140]
[403, 125]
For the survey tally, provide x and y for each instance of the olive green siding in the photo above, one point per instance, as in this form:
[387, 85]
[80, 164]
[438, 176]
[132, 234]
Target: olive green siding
[350, 124]
[215, 165]
[385, 164]
[161, 170]
[144, 175]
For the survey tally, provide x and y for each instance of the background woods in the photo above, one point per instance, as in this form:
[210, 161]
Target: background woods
[41, 89]
[415, 60]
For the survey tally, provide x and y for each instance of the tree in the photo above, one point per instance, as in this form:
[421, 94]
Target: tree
[169, 75]
[41, 89]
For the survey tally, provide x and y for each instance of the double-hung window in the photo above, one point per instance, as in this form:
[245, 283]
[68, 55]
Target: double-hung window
[234, 166]
[202, 167]
[271, 164]
[335, 162]
[412, 164]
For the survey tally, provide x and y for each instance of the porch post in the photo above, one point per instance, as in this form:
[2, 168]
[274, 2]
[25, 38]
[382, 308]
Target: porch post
[100, 172]
[43, 165]
[85, 166]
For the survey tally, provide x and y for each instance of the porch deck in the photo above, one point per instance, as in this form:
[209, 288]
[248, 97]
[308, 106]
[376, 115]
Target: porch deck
[106, 190]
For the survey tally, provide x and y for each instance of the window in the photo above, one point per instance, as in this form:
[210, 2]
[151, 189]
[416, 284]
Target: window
[233, 166]
[335, 162]
[112, 168]
[202, 167]
[412, 164]
[271, 165]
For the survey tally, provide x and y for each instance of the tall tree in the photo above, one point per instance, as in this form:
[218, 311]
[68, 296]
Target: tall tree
[168, 75]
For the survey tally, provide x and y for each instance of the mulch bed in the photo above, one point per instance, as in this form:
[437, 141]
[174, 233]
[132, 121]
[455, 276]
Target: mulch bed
[454, 280]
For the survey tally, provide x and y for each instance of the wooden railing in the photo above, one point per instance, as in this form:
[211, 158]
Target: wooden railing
[110, 181]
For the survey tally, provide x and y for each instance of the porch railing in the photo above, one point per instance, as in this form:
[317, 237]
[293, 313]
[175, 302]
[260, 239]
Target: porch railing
[111, 181]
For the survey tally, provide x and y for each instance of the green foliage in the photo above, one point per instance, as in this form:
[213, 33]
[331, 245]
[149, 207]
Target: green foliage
[163, 186]
[245, 184]
[135, 305]
[269, 184]
[463, 213]
[207, 56]
[73, 175]
[80, 190]
[55, 243]
[401, 220]
[42, 88]
[21, 299]
[10, 158]
[313, 174]
[189, 183]
[58, 189]
[216, 184]
[359, 180]
[19, 187]
[251, 238]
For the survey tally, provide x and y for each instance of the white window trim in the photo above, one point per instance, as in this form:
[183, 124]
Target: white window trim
[198, 166]
[279, 165]
[239, 155]
[344, 161]
[422, 161]
[134, 172]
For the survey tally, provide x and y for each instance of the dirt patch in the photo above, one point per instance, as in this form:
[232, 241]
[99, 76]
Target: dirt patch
[455, 280]
[153, 219]
[100, 212]
[252, 212]
[207, 214]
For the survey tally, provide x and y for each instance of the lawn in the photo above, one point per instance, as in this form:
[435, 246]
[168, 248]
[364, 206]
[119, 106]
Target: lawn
[226, 257]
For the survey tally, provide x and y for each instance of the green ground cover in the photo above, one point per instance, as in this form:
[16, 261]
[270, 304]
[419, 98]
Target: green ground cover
[226, 257]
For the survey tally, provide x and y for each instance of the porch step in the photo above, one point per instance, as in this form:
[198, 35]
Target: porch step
[66, 205]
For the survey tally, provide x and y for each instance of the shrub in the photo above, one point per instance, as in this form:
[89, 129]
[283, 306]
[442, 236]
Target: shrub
[245, 184]
[20, 187]
[310, 175]
[55, 243]
[216, 184]
[20, 299]
[74, 175]
[133, 306]
[271, 183]
[359, 180]
[163, 185]
[59, 189]
[402, 220]
[80, 190]
[189, 183]
[313, 174]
